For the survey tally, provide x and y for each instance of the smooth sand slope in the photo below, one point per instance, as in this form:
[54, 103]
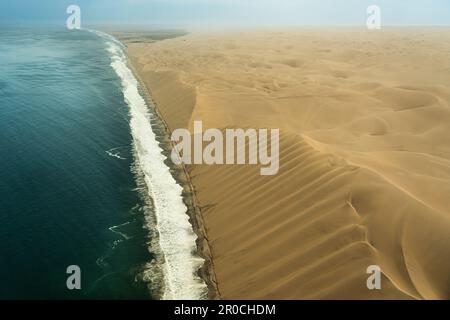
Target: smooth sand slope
[365, 156]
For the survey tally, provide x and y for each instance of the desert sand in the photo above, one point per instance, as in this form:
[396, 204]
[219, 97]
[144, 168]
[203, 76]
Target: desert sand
[364, 172]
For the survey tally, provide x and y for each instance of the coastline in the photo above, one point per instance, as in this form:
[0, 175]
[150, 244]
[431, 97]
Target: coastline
[181, 175]
[340, 202]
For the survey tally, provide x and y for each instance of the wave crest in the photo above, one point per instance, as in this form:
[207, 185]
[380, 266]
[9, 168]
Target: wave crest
[177, 241]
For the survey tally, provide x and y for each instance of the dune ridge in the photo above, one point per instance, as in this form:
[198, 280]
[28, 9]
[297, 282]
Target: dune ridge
[364, 157]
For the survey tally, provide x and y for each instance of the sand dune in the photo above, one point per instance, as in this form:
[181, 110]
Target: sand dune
[365, 157]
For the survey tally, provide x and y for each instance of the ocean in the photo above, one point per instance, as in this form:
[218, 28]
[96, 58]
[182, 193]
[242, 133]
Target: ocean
[83, 179]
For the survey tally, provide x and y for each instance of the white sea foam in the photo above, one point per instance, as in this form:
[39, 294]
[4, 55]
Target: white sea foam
[176, 236]
[115, 155]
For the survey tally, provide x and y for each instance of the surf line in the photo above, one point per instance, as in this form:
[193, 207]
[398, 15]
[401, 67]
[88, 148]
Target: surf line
[177, 240]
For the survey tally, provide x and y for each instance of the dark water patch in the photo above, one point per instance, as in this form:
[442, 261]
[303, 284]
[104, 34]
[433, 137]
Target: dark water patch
[61, 109]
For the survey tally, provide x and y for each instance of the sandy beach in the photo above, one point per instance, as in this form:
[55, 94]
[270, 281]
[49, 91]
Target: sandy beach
[364, 175]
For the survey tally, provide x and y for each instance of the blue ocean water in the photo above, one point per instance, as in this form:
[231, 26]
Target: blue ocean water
[67, 191]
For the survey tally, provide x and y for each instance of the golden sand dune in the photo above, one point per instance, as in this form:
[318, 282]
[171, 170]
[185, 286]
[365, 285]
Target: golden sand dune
[364, 156]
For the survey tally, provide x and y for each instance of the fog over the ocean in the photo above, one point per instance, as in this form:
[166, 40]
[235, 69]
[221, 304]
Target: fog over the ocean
[198, 13]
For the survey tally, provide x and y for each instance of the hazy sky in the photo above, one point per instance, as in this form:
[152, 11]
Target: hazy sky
[188, 13]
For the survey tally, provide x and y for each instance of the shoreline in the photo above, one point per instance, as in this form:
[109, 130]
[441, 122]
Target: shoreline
[182, 177]
[338, 203]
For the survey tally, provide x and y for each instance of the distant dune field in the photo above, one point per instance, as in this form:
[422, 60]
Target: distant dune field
[364, 172]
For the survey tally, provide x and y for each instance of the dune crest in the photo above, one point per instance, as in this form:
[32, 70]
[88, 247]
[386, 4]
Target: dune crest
[364, 157]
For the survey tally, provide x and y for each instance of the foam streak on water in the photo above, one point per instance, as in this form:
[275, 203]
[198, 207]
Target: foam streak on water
[176, 237]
